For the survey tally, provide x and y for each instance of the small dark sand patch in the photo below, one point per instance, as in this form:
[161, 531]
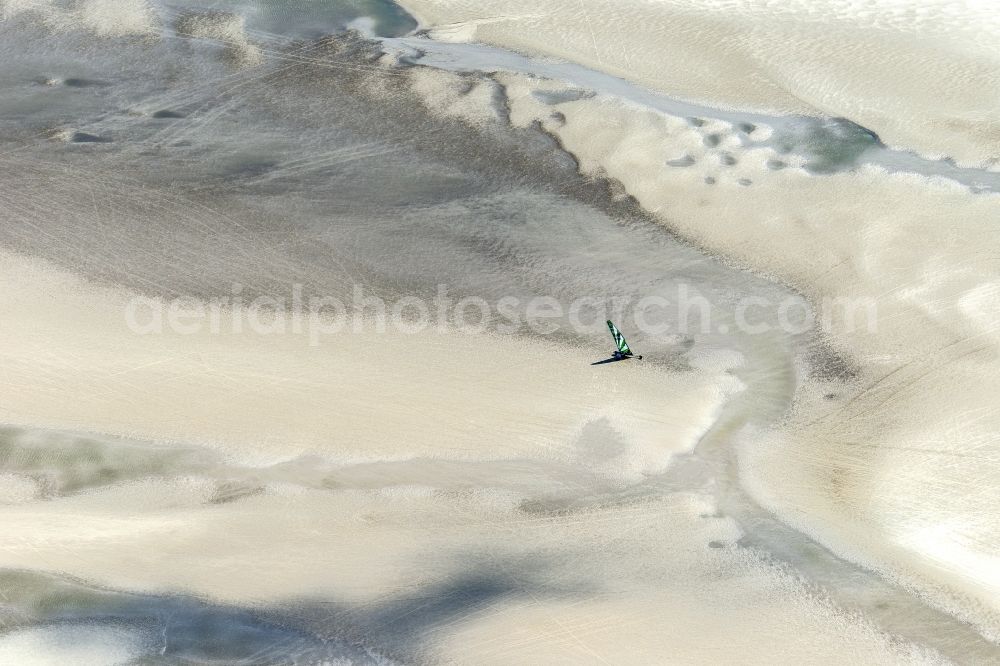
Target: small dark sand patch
[727, 159]
[553, 97]
[712, 140]
[710, 180]
[83, 83]
[253, 169]
[745, 182]
[716, 544]
[233, 492]
[776, 165]
[167, 113]
[685, 161]
[84, 137]
[696, 122]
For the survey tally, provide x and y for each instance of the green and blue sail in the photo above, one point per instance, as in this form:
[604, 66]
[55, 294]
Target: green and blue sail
[619, 339]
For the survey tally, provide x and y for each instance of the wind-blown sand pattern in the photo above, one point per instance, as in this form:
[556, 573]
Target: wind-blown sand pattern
[256, 494]
[918, 413]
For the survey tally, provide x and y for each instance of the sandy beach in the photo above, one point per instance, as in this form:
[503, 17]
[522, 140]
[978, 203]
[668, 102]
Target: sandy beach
[182, 478]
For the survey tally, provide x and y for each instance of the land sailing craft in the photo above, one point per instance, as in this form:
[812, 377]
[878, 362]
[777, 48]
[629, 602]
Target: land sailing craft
[623, 352]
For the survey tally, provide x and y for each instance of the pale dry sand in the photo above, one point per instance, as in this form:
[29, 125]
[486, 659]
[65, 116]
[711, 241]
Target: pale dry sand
[898, 467]
[895, 468]
[43, 646]
[70, 361]
[614, 585]
[924, 76]
[642, 579]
